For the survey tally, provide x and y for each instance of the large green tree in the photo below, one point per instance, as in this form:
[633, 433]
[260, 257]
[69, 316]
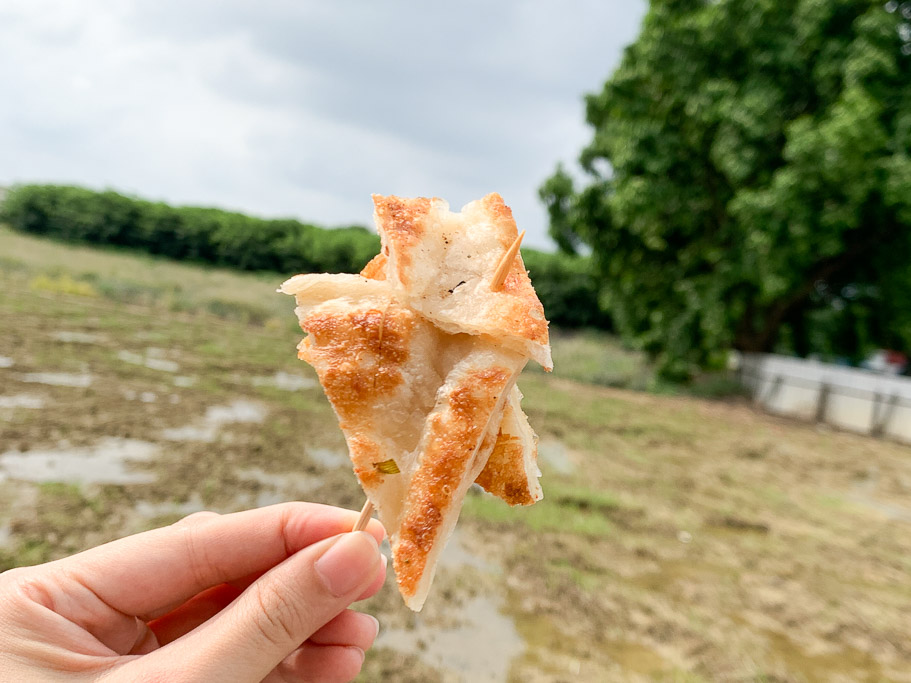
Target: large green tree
[749, 180]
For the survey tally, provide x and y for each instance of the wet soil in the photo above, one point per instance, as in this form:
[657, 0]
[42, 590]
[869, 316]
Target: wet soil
[679, 540]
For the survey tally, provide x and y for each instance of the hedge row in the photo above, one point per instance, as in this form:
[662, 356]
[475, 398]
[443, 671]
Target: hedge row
[565, 284]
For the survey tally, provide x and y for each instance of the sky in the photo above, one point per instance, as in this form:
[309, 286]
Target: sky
[304, 109]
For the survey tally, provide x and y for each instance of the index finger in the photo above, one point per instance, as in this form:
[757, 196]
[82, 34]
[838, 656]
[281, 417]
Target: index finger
[146, 574]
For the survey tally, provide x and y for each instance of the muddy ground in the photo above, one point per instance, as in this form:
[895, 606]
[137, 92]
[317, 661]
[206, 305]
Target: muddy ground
[679, 539]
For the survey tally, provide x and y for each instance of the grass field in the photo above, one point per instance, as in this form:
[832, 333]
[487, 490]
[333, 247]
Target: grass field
[679, 539]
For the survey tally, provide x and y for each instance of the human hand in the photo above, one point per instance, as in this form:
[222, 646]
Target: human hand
[249, 596]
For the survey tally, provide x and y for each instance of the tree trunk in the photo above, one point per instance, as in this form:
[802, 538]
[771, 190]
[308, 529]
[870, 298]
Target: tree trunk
[762, 340]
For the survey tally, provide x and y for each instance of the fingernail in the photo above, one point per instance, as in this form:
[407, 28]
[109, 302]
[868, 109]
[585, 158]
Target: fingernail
[376, 625]
[385, 562]
[359, 651]
[348, 563]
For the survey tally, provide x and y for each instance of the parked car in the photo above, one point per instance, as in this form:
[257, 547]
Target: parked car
[887, 362]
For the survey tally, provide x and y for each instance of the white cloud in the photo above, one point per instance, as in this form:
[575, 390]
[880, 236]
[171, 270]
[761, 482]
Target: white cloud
[303, 108]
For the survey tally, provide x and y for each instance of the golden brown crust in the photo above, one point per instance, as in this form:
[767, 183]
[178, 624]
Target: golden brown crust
[500, 215]
[504, 475]
[365, 453]
[417, 367]
[400, 222]
[410, 230]
[376, 268]
[358, 355]
[339, 345]
[524, 315]
[453, 437]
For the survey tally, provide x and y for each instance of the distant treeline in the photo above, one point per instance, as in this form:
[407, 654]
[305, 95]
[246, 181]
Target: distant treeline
[225, 238]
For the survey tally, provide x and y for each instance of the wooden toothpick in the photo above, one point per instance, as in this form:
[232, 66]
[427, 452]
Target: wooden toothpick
[505, 265]
[364, 519]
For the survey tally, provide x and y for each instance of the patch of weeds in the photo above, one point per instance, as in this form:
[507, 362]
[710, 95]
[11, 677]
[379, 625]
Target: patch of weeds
[833, 502]
[584, 499]
[63, 520]
[552, 402]
[63, 283]
[238, 311]
[716, 386]
[26, 553]
[385, 664]
[571, 513]
[129, 292]
[586, 580]
[11, 265]
[681, 676]
[773, 495]
[208, 492]
[596, 358]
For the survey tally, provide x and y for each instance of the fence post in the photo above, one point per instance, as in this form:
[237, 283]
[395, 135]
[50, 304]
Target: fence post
[764, 398]
[823, 402]
[882, 413]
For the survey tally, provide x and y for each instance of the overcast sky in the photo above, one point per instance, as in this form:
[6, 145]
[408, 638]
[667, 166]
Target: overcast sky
[289, 107]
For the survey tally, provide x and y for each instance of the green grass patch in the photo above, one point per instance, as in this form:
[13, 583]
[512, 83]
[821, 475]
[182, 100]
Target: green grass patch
[564, 508]
[595, 357]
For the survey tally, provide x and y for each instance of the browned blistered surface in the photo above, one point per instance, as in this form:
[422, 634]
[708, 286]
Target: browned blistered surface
[453, 436]
[404, 224]
[504, 475]
[401, 222]
[376, 268]
[358, 355]
[340, 342]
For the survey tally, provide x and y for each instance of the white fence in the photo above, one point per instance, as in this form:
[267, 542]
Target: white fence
[847, 398]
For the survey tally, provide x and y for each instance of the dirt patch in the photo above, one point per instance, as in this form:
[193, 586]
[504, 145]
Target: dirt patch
[678, 539]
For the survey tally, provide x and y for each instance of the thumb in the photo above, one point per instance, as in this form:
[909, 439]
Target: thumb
[282, 609]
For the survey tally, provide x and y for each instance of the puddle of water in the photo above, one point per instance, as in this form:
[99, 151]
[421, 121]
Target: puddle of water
[204, 432]
[150, 360]
[107, 462]
[555, 456]
[130, 357]
[6, 362]
[144, 396]
[72, 337]
[292, 482]
[215, 418]
[266, 498]
[162, 365]
[455, 555]
[238, 411]
[482, 644]
[479, 649]
[328, 457]
[285, 381]
[279, 489]
[184, 381]
[58, 379]
[21, 401]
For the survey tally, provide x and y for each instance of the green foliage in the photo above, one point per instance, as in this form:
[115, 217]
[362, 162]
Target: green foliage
[566, 284]
[568, 289]
[186, 233]
[750, 173]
